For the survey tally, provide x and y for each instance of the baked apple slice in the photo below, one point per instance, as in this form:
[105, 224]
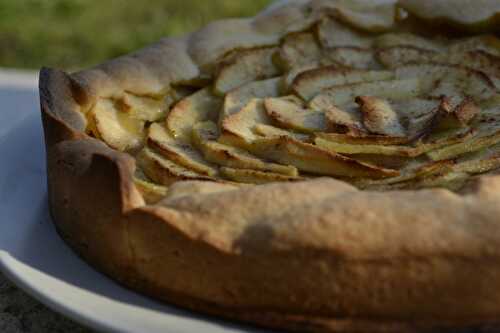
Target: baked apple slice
[273, 131]
[238, 98]
[370, 16]
[354, 57]
[117, 129]
[291, 115]
[201, 106]
[250, 176]
[465, 14]
[177, 151]
[245, 67]
[204, 138]
[402, 39]
[143, 107]
[299, 50]
[164, 171]
[333, 34]
[310, 83]
[310, 158]
[151, 192]
[346, 94]
[237, 129]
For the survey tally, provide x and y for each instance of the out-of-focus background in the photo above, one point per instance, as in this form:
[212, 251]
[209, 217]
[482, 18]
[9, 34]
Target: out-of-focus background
[73, 34]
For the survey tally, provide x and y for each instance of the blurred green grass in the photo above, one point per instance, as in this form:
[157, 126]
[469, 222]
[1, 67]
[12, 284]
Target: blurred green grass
[72, 34]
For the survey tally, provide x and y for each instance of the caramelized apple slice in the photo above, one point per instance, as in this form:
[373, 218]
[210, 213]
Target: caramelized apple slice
[143, 107]
[205, 136]
[346, 94]
[249, 176]
[177, 151]
[151, 192]
[237, 129]
[398, 39]
[238, 98]
[310, 83]
[246, 67]
[291, 115]
[414, 172]
[201, 106]
[299, 50]
[370, 16]
[334, 34]
[369, 139]
[439, 80]
[164, 171]
[115, 128]
[420, 148]
[474, 144]
[354, 57]
[465, 14]
[396, 56]
[273, 131]
[313, 159]
[379, 117]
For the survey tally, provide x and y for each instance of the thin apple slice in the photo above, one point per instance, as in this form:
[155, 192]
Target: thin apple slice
[477, 60]
[346, 94]
[313, 159]
[465, 14]
[452, 181]
[291, 115]
[151, 192]
[237, 129]
[346, 120]
[247, 66]
[205, 136]
[414, 172]
[487, 43]
[238, 98]
[479, 162]
[201, 106]
[143, 107]
[292, 74]
[370, 16]
[299, 50]
[354, 57]
[334, 34]
[398, 39]
[474, 144]
[449, 80]
[249, 176]
[432, 143]
[177, 151]
[164, 171]
[369, 139]
[310, 83]
[373, 148]
[270, 131]
[379, 117]
[393, 57]
[115, 128]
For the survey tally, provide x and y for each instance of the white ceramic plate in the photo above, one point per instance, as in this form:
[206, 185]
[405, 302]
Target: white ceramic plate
[34, 257]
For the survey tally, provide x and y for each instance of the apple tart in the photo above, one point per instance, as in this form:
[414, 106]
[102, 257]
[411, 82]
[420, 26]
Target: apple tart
[354, 145]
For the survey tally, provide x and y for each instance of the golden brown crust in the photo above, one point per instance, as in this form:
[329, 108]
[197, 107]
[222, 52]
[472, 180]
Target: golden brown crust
[349, 260]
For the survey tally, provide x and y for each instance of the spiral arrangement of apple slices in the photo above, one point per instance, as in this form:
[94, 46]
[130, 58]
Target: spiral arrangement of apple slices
[381, 111]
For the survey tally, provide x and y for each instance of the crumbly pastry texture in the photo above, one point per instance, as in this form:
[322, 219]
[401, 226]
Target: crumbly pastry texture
[353, 144]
